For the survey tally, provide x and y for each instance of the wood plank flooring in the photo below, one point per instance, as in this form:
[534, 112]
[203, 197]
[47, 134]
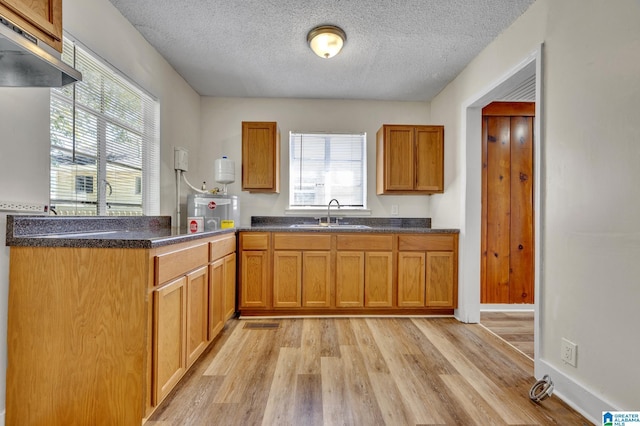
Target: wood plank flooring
[360, 371]
[514, 327]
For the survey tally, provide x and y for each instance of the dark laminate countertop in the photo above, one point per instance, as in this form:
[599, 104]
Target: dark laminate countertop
[155, 231]
[98, 232]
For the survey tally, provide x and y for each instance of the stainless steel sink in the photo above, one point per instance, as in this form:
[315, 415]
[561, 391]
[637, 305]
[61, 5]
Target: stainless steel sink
[325, 226]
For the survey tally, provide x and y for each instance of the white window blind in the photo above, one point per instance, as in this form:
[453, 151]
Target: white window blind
[325, 166]
[104, 142]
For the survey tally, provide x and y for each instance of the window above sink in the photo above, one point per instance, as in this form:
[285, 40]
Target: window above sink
[323, 166]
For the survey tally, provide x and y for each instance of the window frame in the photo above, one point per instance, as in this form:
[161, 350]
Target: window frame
[109, 125]
[345, 209]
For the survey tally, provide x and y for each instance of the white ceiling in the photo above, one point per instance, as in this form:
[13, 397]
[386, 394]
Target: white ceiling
[402, 50]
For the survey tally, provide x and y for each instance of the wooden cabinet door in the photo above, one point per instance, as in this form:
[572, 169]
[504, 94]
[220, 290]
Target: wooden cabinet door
[429, 142]
[350, 279]
[216, 297]
[41, 18]
[316, 279]
[378, 279]
[260, 157]
[399, 158]
[287, 279]
[169, 330]
[440, 282]
[254, 279]
[411, 279]
[197, 313]
[229, 286]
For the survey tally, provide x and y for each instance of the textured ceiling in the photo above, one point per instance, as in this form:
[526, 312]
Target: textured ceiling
[404, 50]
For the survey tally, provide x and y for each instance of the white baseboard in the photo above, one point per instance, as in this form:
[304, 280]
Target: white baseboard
[506, 307]
[575, 394]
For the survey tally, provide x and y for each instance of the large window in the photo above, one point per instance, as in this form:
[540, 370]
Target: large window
[326, 166]
[104, 142]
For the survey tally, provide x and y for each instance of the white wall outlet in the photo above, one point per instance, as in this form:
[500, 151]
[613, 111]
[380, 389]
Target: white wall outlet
[180, 159]
[394, 209]
[22, 207]
[569, 352]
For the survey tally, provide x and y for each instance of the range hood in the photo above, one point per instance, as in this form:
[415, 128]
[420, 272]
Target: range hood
[24, 63]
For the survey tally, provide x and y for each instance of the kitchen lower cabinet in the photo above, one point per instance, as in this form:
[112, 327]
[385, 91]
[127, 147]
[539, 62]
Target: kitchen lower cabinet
[77, 325]
[350, 279]
[301, 279]
[197, 314]
[254, 270]
[170, 328]
[216, 295]
[348, 273]
[440, 279]
[222, 282]
[287, 279]
[230, 284]
[302, 270]
[378, 280]
[98, 328]
[427, 270]
[316, 279]
[364, 276]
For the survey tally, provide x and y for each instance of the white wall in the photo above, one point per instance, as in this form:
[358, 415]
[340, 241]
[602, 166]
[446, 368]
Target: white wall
[590, 193]
[24, 121]
[222, 135]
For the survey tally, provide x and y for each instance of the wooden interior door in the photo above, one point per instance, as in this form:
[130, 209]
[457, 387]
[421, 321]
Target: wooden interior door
[507, 269]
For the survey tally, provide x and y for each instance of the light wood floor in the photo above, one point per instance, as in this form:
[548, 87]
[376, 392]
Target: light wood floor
[514, 327]
[365, 371]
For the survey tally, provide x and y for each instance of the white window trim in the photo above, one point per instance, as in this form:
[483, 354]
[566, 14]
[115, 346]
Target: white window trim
[151, 156]
[343, 211]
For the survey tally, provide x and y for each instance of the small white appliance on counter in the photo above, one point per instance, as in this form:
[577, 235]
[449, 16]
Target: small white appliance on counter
[217, 211]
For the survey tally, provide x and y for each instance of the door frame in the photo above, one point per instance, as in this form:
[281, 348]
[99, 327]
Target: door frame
[471, 195]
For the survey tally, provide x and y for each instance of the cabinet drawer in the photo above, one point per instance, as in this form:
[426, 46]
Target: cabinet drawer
[175, 263]
[365, 242]
[438, 242]
[222, 247]
[254, 241]
[301, 242]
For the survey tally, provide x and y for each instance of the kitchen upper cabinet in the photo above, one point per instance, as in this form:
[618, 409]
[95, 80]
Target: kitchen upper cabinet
[40, 18]
[410, 159]
[260, 157]
[427, 271]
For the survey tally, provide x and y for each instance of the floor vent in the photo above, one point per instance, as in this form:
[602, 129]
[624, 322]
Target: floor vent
[262, 325]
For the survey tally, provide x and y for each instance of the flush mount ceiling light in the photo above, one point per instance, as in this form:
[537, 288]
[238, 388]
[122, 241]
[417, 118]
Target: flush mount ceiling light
[326, 40]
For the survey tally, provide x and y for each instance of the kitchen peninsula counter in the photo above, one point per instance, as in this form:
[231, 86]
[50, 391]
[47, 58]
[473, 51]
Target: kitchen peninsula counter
[145, 232]
[107, 314]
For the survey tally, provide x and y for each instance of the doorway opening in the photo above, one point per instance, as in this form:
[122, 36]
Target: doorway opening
[529, 69]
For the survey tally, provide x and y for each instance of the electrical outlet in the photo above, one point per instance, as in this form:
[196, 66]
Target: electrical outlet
[394, 209]
[20, 207]
[568, 352]
[180, 159]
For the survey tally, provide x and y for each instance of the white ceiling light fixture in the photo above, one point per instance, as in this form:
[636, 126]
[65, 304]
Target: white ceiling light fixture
[326, 40]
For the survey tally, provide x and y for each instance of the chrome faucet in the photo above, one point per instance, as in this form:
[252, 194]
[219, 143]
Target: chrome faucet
[329, 211]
